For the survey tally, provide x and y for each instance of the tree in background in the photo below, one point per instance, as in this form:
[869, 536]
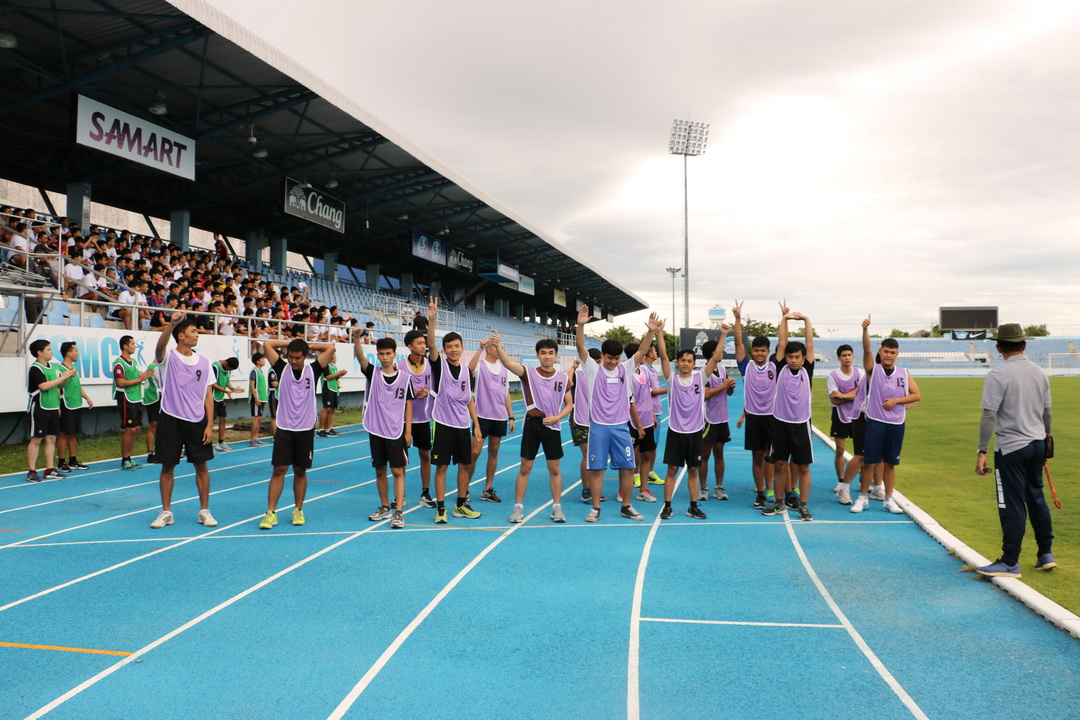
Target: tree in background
[1036, 331]
[672, 344]
[753, 328]
[801, 332]
[621, 334]
[898, 333]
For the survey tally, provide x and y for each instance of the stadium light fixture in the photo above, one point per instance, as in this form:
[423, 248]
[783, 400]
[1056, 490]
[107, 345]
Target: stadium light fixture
[687, 139]
[674, 273]
[331, 183]
[158, 107]
[8, 41]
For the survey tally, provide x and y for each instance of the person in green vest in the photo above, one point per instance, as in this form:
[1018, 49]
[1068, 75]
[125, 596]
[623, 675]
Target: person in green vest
[222, 370]
[151, 398]
[259, 389]
[44, 378]
[127, 389]
[330, 393]
[74, 400]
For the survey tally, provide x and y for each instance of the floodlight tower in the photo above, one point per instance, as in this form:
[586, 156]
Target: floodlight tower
[687, 138]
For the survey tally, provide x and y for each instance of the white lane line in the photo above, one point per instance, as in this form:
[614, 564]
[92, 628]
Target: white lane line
[167, 548]
[175, 502]
[887, 676]
[633, 695]
[350, 699]
[734, 622]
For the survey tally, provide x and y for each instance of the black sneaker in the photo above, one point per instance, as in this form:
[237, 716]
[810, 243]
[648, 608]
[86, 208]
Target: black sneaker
[665, 514]
[586, 495]
[695, 512]
[32, 476]
[332, 432]
[791, 501]
[78, 466]
[489, 495]
[759, 502]
[151, 458]
[426, 501]
[804, 512]
[53, 474]
[64, 467]
[320, 434]
[775, 509]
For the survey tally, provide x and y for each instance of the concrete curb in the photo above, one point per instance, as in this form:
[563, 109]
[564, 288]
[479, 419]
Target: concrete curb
[1038, 602]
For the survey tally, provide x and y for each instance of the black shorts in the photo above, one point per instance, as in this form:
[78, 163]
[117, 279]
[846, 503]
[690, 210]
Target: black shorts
[883, 442]
[293, 447]
[329, 398]
[273, 405]
[791, 441]
[536, 435]
[385, 451]
[219, 409]
[175, 435]
[421, 435]
[858, 434]
[130, 413]
[715, 433]
[44, 422]
[451, 445]
[153, 410]
[644, 444]
[837, 427]
[682, 449]
[256, 410]
[579, 434]
[493, 428]
[759, 433]
[70, 421]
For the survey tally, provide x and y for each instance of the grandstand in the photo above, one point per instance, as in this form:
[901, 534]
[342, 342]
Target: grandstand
[944, 356]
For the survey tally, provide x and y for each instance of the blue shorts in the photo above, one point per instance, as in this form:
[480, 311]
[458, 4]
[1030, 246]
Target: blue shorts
[883, 442]
[609, 441]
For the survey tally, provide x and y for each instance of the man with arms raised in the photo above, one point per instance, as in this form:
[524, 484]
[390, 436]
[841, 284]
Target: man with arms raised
[185, 422]
[418, 368]
[493, 410]
[759, 396]
[547, 402]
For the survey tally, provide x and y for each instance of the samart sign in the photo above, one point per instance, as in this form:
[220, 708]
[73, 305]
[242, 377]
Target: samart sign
[306, 202]
[117, 133]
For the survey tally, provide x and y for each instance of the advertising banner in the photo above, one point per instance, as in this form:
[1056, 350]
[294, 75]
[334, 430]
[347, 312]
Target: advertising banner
[132, 138]
[304, 201]
[559, 297]
[526, 285]
[428, 247]
[458, 259]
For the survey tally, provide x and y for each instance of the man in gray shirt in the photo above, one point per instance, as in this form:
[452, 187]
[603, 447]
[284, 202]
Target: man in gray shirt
[1016, 405]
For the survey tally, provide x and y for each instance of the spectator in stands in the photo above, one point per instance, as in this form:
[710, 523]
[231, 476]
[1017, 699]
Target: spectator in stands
[367, 335]
[74, 276]
[419, 322]
[220, 247]
[20, 243]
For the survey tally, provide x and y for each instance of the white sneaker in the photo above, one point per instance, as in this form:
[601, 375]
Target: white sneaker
[645, 496]
[877, 492]
[557, 514]
[165, 518]
[892, 506]
[719, 493]
[518, 514]
[843, 494]
[619, 497]
[861, 503]
[702, 494]
[206, 519]
[221, 447]
[593, 515]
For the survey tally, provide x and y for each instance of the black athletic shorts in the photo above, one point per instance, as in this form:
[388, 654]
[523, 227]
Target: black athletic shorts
[70, 421]
[682, 449]
[385, 451]
[451, 445]
[256, 410]
[715, 433]
[130, 413]
[44, 422]
[421, 435]
[645, 444]
[493, 428]
[837, 427]
[174, 435]
[219, 409]
[791, 441]
[329, 398]
[153, 410]
[536, 435]
[273, 405]
[858, 434]
[293, 447]
[759, 433]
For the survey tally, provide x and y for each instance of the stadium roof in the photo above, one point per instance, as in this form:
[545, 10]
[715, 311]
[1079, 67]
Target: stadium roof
[223, 84]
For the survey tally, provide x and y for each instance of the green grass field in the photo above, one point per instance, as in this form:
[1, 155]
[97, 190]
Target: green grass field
[937, 472]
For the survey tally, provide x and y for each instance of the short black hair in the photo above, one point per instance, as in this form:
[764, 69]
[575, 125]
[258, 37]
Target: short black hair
[890, 343]
[546, 343]
[760, 341]
[64, 347]
[409, 336]
[256, 357]
[1010, 347]
[38, 346]
[386, 343]
[708, 348]
[611, 346]
[795, 347]
[231, 363]
[451, 337]
[685, 351]
[844, 348]
[125, 339]
[181, 327]
[298, 345]
[594, 353]
[631, 349]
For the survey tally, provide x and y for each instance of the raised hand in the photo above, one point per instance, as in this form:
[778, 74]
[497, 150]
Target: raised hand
[432, 308]
[737, 310]
[654, 322]
[866, 323]
[784, 309]
[583, 315]
[495, 339]
[724, 328]
[176, 317]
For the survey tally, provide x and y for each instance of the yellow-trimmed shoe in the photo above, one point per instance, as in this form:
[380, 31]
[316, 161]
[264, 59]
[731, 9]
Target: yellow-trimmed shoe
[298, 517]
[269, 520]
[440, 517]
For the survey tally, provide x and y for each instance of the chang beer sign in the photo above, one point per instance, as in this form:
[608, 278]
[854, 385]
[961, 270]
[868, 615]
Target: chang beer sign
[313, 205]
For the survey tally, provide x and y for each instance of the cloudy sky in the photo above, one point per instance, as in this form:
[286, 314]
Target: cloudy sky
[865, 156]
